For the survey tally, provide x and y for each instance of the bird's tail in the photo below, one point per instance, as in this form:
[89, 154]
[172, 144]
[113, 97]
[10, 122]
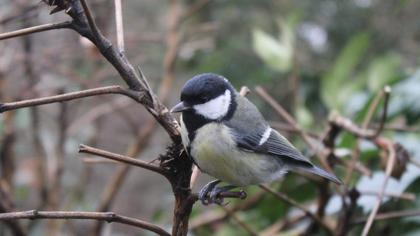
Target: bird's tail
[318, 171]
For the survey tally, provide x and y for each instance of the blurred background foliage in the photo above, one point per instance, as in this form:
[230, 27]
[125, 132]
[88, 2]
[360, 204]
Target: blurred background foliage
[314, 57]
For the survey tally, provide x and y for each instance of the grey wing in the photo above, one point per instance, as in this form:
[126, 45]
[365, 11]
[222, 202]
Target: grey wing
[269, 141]
[252, 133]
[249, 129]
[277, 146]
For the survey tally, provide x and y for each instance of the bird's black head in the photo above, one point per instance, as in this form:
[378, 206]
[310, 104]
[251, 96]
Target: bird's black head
[208, 95]
[206, 98]
[203, 88]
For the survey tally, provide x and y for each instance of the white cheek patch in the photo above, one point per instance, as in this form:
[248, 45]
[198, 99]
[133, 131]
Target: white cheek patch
[215, 108]
[265, 136]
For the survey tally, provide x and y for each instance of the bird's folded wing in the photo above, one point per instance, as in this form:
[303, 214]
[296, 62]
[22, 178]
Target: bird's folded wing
[269, 142]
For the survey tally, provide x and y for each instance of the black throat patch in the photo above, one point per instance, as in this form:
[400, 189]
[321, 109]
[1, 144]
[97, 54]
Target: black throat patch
[194, 121]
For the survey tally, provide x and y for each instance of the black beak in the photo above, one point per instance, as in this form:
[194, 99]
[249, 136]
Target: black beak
[180, 107]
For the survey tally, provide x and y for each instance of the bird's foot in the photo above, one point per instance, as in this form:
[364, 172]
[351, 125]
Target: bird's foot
[202, 195]
[215, 194]
[210, 193]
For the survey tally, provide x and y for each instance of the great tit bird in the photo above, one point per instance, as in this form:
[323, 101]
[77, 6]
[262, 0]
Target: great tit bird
[228, 138]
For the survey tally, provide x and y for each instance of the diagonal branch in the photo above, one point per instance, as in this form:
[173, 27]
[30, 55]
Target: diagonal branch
[36, 29]
[322, 153]
[389, 166]
[292, 202]
[67, 97]
[121, 158]
[90, 20]
[104, 216]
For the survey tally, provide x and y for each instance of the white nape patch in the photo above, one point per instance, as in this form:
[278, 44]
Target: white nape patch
[215, 108]
[265, 136]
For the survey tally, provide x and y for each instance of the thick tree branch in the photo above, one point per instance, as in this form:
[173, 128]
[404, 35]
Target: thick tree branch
[105, 216]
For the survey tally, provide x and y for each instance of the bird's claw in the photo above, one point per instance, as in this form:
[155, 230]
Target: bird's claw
[202, 195]
[211, 194]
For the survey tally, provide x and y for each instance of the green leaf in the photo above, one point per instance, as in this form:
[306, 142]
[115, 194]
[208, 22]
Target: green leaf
[276, 53]
[382, 70]
[339, 78]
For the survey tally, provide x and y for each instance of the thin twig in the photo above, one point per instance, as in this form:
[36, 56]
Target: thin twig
[390, 215]
[356, 152]
[404, 196]
[389, 167]
[372, 109]
[279, 109]
[292, 202]
[322, 153]
[386, 91]
[283, 126]
[119, 25]
[348, 125]
[415, 162]
[121, 158]
[194, 176]
[240, 222]
[104, 216]
[209, 217]
[281, 224]
[35, 29]
[91, 21]
[244, 91]
[99, 160]
[134, 149]
[66, 97]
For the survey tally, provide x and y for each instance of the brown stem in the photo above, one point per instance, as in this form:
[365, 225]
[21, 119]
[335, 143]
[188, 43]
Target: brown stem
[90, 20]
[292, 202]
[35, 29]
[322, 153]
[209, 217]
[390, 215]
[104, 216]
[121, 158]
[66, 97]
[119, 25]
[240, 222]
[389, 167]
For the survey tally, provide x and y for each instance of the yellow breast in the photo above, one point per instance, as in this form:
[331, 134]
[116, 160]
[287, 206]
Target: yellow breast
[216, 153]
